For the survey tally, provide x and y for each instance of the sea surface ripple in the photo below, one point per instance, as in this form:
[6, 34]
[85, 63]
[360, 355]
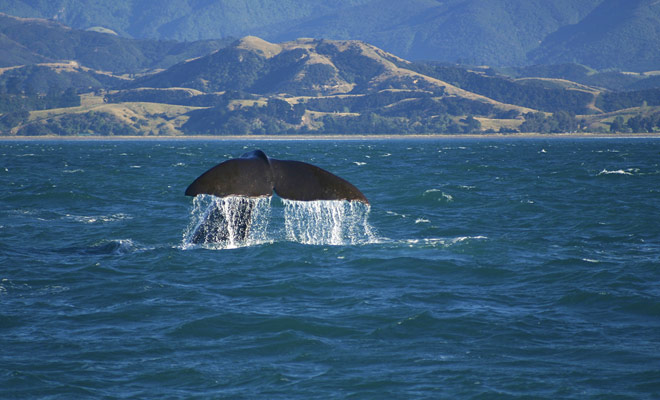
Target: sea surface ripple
[491, 269]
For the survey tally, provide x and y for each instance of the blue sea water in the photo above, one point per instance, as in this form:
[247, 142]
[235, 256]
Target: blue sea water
[483, 269]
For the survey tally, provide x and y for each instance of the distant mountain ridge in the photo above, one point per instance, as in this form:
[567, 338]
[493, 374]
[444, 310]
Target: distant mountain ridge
[31, 41]
[617, 34]
[598, 33]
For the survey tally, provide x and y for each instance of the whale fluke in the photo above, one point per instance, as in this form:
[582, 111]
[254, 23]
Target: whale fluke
[256, 175]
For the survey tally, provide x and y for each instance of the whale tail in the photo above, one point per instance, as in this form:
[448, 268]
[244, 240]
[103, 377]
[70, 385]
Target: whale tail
[256, 175]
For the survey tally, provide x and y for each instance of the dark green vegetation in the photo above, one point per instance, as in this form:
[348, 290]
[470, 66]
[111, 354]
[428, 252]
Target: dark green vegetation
[309, 86]
[616, 34]
[26, 41]
[599, 33]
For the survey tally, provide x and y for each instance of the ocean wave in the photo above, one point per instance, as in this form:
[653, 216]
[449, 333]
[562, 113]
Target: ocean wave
[441, 242]
[116, 247]
[419, 322]
[396, 214]
[442, 195]
[93, 219]
[629, 171]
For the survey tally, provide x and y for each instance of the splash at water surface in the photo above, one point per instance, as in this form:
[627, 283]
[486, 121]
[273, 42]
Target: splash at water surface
[225, 224]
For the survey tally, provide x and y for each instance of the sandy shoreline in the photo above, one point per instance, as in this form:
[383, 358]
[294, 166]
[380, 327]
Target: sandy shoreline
[335, 137]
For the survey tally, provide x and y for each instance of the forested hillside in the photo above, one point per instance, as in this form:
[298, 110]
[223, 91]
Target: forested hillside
[598, 33]
[29, 41]
[622, 34]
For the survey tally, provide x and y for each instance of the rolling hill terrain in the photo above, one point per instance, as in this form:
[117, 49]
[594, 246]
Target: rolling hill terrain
[314, 86]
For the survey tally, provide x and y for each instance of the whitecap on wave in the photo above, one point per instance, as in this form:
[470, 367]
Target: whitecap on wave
[442, 242]
[442, 195]
[629, 171]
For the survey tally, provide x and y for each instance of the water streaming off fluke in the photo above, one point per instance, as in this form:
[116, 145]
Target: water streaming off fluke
[228, 222]
[234, 221]
[333, 222]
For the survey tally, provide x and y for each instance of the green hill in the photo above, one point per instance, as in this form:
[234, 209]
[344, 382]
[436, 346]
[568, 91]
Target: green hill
[622, 34]
[29, 41]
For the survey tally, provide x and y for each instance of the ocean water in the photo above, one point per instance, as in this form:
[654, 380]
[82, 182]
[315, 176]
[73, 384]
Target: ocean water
[482, 269]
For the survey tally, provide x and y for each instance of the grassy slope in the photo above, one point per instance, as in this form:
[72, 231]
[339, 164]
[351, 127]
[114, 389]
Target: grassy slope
[148, 118]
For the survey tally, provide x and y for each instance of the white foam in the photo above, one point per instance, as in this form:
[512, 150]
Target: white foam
[617, 172]
[396, 214]
[443, 196]
[92, 219]
[442, 242]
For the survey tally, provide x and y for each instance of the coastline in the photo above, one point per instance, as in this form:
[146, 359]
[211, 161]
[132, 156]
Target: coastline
[335, 137]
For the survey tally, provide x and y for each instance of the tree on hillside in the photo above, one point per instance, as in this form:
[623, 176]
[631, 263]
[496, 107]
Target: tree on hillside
[617, 125]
